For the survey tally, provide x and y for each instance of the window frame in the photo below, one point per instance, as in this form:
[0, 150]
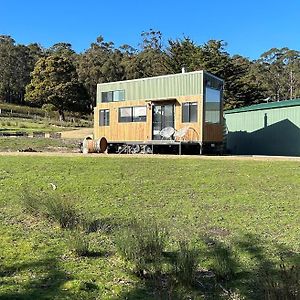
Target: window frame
[133, 119]
[106, 120]
[189, 105]
[220, 105]
[113, 96]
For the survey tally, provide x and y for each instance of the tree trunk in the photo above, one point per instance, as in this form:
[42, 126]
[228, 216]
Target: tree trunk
[61, 115]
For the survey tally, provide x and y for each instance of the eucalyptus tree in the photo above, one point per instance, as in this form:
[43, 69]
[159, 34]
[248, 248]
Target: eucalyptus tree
[55, 81]
[280, 73]
[16, 63]
[100, 63]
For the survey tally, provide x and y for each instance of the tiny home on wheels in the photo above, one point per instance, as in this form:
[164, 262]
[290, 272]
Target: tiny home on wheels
[180, 113]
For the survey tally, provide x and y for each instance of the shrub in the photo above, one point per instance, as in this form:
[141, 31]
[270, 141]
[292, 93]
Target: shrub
[186, 263]
[63, 211]
[94, 225]
[224, 265]
[32, 202]
[142, 243]
[284, 285]
[79, 243]
[58, 208]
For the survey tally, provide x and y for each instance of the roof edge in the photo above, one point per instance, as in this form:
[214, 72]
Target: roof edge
[263, 106]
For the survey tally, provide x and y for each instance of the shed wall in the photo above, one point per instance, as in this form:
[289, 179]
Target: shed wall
[264, 132]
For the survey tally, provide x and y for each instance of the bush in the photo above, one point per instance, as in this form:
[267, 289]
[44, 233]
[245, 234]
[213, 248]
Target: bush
[186, 263]
[79, 243]
[63, 211]
[142, 243]
[91, 224]
[58, 208]
[33, 203]
[224, 265]
[284, 285]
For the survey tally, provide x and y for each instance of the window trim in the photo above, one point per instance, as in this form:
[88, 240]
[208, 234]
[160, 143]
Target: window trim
[189, 104]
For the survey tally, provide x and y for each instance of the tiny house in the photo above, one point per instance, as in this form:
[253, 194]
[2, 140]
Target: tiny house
[134, 112]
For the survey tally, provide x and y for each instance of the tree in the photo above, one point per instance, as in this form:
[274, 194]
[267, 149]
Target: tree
[61, 49]
[280, 73]
[16, 63]
[183, 53]
[55, 81]
[100, 63]
[8, 62]
[150, 61]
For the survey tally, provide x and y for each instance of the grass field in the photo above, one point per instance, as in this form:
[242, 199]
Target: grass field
[14, 124]
[11, 144]
[250, 208]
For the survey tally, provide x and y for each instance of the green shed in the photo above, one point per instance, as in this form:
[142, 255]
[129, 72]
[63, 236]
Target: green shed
[264, 129]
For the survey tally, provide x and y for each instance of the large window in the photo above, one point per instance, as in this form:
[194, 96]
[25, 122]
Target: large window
[212, 105]
[104, 117]
[132, 114]
[189, 112]
[113, 96]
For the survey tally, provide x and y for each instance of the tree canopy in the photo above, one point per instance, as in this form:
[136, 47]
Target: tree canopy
[54, 81]
[60, 76]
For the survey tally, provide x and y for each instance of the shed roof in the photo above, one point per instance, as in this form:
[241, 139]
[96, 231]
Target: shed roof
[262, 106]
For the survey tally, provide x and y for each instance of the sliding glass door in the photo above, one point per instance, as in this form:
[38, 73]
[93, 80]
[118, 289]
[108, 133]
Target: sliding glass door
[163, 116]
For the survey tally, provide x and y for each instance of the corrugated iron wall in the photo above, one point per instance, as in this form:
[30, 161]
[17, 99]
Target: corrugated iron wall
[273, 131]
[169, 86]
[254, 120]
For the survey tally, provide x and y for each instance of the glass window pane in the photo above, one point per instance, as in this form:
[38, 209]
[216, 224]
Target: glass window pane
[101, 118]
[125, 114]
[119, 95]
[106, 116]
[168, 116]
[193, 111]
[139, 113]
[212, 105]
[185, 112]
[107, 96]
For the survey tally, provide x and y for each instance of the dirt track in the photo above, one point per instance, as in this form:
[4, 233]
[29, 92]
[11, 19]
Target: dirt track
[154, 156]
[77, 134]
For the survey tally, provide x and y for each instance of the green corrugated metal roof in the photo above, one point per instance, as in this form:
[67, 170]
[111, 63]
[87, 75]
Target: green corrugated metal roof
[159, 87]
[261, 106]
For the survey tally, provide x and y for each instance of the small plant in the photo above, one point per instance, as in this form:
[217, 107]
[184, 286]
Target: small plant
[79, 243]
[284, 285]
[63, 211]
[33, 203]
[93, 225]
[142, 243]
[186, 263]
[224, 265]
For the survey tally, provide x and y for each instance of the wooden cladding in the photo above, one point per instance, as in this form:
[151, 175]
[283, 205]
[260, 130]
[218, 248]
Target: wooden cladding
[143, 130]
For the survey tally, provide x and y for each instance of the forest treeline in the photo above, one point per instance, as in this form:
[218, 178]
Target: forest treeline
[66, 80]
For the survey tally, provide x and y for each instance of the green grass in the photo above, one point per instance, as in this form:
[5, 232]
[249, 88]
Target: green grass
[10, 144]
[248, 208]
[13, 124]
